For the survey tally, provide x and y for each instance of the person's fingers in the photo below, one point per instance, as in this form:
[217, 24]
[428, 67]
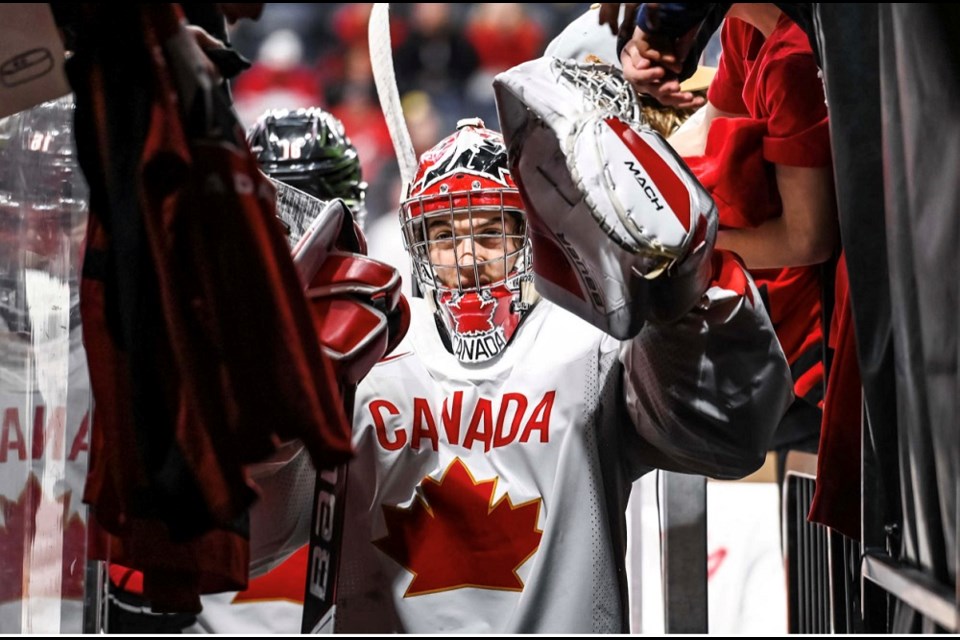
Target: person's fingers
[629, 57]
[644, 80]
[687, 104]
[694, 103]
[626, 59]
[647, 73]
[609, 15]
[660, 49]
[639, 72]
[632, 61]
[669, 94]
[204, 39]
[647, 50]
[671, 85]
[634, 76]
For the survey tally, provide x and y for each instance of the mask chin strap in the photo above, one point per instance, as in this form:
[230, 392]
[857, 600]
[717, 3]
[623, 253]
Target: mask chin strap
[431, 298]
[528, 294]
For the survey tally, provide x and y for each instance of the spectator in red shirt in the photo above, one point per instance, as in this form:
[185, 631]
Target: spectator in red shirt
[765, 158]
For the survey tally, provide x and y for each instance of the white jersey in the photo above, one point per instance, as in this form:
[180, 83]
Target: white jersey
[475, 431]
[44, 447]
[272, 605]
[490, 498]
[480, 490]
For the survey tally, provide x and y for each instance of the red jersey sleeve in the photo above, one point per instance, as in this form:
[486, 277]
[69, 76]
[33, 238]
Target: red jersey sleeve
[726, 88]
[797, 128]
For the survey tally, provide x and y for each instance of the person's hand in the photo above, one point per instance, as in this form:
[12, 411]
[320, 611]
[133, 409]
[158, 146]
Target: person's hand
[203, 38]
[656, 48]
[650, 63]
[609, 15]
[224, 62]
[207, 43]
[665, 50]
[653, 79]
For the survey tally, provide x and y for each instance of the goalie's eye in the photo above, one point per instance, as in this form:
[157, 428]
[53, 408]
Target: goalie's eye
[438, 233]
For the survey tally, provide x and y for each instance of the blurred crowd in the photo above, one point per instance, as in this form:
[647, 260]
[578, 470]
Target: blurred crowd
[445, 56]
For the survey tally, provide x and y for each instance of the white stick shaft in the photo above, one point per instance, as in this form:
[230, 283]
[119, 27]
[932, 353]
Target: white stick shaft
[381, 61]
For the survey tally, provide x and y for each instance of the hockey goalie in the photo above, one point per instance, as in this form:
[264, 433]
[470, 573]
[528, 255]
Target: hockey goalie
[576, 329]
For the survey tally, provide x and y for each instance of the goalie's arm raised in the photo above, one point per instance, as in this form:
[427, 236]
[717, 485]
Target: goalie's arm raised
[707, 391]
[622, 236]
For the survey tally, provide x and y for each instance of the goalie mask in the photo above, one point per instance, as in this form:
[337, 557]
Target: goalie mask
[309, 149]
[465, 229]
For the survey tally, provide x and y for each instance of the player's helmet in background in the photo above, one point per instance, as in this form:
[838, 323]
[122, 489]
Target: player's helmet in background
[43, 215]
[464, 175]
[309, 149]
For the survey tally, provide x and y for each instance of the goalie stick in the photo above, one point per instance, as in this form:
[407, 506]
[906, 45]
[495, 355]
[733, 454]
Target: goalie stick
[381, 63]
[385, 79]
[326, 537]
[306, 220]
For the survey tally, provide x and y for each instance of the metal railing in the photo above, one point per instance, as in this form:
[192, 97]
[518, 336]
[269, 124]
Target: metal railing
[684, 559]
[807, 551]
[917, 589]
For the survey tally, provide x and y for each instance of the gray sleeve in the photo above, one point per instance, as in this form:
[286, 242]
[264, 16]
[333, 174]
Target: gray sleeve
[280, 519]
[706, 393]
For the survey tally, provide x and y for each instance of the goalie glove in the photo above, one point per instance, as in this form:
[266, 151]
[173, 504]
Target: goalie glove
[358, 310]
[621, 230]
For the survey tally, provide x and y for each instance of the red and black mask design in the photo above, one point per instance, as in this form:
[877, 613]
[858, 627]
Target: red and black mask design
[465, 228]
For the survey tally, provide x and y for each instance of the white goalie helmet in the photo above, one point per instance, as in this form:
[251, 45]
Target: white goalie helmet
[464, 226]
[613, 212]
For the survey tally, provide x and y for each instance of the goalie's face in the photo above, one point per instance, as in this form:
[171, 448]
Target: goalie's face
[463, 224]
[476, 260]
[471, 250]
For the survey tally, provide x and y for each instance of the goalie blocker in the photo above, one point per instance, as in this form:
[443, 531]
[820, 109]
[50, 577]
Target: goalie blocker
[617, 221]
[360, 316]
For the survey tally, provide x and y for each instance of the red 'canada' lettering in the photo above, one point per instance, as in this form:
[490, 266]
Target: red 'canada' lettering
[491, 422]
[48, 435]
[481, 426]
[423, 424]
[80, 442]
[381, 426]
[540, 420]
[451, 419]
[54, 432]
[500, 438]
[11, 439]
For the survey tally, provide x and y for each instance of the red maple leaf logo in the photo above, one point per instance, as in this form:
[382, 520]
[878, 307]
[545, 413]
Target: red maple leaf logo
[455, 536]
[20, 520]
[472, 314]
